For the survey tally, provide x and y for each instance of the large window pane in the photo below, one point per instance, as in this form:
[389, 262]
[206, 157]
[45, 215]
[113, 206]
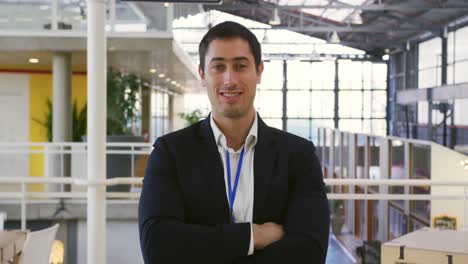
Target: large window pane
[300, 127]
[316, 123]
[375, 104]
[298, 104]
[269, 104]
[376, 127]
[461, 42]
[350, 104]
[272, 77]
[350, 125]
[274, 122]
[461, 108]
[350, 74]
[322, 104]
[461, 70]
[322, 75]
[299, 75]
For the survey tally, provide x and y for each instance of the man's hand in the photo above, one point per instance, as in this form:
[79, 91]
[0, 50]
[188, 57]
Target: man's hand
[266, 234]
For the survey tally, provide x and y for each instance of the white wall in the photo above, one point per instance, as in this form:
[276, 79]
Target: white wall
[14, 121]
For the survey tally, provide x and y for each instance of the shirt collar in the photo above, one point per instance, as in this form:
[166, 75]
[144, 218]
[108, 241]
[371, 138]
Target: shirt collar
[220, 139]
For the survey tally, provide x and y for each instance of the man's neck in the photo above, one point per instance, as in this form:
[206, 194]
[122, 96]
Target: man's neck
[235, 129]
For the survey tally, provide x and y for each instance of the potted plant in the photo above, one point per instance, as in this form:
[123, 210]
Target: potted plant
[122, 113]
[192, 117]
[78, 121]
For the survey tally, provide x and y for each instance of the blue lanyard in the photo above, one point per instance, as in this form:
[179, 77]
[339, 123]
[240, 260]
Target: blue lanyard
[232, 192]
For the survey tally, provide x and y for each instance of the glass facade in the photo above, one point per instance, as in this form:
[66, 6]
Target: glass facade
[310, 96]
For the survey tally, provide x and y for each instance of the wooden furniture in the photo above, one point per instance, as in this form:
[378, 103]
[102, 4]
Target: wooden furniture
[11, 244]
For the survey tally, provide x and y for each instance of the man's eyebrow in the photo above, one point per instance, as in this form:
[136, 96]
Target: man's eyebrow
[224, 59]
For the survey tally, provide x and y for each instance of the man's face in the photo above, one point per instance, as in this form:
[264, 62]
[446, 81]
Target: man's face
[230, 77]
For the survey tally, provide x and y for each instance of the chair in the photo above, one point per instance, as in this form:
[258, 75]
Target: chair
[3, 217]
[37, 246]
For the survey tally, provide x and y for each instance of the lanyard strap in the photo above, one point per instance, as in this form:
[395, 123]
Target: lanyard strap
[232, 192]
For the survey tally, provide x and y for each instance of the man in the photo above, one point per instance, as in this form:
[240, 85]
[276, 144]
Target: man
[230, 189]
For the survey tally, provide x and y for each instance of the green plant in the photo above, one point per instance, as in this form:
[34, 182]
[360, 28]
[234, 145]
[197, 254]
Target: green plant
[122, 97]
[78, 121]
[192, 117]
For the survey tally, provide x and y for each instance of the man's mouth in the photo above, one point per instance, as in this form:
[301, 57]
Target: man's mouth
[230, 94]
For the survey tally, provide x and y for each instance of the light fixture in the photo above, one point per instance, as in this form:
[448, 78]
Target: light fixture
[275, 20]
[33, 60]
[152, 71]
[464, 164]
[173, 82]
[356, 18]
[166, 4]
[334, 38]
[168, 79]
[385, 57]
[161, 75]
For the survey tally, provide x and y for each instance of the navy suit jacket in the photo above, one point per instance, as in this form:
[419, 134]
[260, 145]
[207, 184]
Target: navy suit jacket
[184, 212]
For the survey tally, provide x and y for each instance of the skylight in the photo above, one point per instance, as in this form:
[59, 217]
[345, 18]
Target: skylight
[327, 11]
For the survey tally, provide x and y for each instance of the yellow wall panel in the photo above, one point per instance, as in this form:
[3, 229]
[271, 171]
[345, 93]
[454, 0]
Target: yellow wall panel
[40, 86]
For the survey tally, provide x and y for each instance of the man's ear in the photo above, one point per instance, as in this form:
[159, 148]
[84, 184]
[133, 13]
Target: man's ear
[201, 74]
[259, 73]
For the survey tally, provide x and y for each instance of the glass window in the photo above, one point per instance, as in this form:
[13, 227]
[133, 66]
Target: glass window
[350, 125]
[375, 104]
[298, 104]
[316, 123]
[376, 127]
[300, 127]
[350, 74]
[269, 104]
[461, 108]
[461, 69]
[322, 75]
[274, 122]
[272, 77]
[350, 104]
[461, 42]
[322, 104]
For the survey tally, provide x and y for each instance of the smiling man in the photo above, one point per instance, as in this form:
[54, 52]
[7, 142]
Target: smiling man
[230, 189]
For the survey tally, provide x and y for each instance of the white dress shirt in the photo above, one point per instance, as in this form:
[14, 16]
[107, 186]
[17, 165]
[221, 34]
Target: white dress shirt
[243, 204]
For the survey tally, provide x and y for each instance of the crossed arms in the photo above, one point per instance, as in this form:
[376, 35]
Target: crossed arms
[165, 237]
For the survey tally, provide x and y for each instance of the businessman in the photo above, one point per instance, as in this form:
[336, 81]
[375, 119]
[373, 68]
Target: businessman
[230, 189]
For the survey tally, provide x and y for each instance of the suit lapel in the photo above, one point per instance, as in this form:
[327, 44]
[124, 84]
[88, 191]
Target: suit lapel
[212, 168]
[264, 162]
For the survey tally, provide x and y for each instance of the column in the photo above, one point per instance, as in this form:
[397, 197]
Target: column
[96, 60]
[59, 164]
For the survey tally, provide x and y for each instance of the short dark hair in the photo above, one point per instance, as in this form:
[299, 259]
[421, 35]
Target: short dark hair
[230, 30]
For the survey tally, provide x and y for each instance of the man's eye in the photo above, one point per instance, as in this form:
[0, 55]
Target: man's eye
[217, 66]
[241, 66]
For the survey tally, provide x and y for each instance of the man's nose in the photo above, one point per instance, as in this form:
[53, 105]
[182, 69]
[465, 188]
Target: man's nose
[229, 78]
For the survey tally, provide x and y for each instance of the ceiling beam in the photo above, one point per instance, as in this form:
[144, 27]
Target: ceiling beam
[316, 29]
[371, 7]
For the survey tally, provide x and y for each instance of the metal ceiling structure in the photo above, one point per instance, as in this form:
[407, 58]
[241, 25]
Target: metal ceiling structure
[382, 26]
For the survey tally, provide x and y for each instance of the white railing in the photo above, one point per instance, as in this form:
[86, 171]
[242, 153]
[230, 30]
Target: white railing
[26, 196]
